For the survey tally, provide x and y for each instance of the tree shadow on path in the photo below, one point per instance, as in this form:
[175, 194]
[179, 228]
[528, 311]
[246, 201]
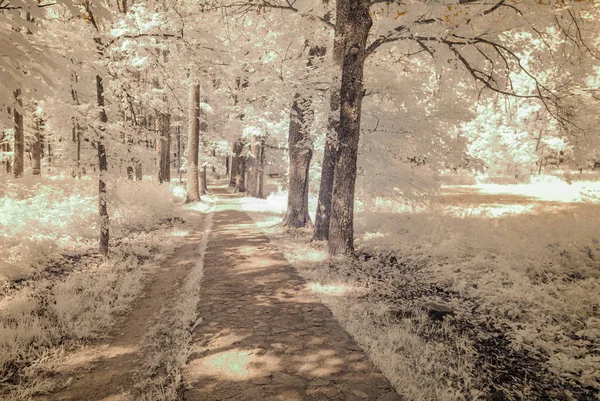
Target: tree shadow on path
[264, 335]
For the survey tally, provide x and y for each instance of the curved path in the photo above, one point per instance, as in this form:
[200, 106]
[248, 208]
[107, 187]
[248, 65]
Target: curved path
[263, 335]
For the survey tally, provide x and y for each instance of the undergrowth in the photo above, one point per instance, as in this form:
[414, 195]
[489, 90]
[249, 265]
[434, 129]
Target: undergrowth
[469, 306]
[56, 292]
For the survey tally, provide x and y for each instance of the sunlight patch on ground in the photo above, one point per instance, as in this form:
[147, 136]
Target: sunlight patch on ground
[117, 397]
[202, 206]
[88, 356]
[275, 203]
[320, 363]
[373, 235]
[229, 363]
[492, 211]
[237, 364]
[178, 190]
[329, 289]
[295, 251]
[546, 190]
[180, 233]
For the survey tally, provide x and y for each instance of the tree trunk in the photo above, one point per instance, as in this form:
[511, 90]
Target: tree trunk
[202, 184]
[330, 155]
[36, 150]
[19, 136]
[238, 147]
[5, 147]
[261, 170]
[227, 167]
[213, 166]
[139, 173]
[193, 188]
[203, 145]
[164, 147]
[300, 148]
[179, 153]
[240, 178]
[356, 32]
[178, 156]
[254, 169]
[49, 150]
[103, 167]
[251, 170]
[78, 155]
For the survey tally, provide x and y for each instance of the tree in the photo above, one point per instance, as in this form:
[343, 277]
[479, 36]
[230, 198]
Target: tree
[300, 153]
[19, 135]
[36, 145]
[238, 167]
[103, 168]
[355, 30]
[254, 168]
[330, 154]
[193, 185]
[163, 147]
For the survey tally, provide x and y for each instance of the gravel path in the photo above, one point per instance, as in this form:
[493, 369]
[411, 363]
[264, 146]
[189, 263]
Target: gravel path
[263, 334]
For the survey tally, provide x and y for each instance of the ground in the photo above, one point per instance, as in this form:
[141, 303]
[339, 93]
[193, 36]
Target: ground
[264, 335]
[491, 293]
[251, 329]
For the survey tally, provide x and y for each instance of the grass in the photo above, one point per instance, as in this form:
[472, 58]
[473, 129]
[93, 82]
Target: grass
[165, 345]
[57, 293]
[523, 289]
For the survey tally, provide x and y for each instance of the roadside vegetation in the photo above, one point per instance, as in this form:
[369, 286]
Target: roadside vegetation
[57, 294]
[456, 300]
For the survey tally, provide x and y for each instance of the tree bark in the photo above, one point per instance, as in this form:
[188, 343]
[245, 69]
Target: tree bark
[36, 147]
[240, 178]
[139, 173]
[193, 188]
[203, 184]
[300, 148]
[330, 155]
[164, 147]
[5, 147]
[103, 167]
[203, 145]
[341, 225]
[254, 169]
[238, 147]
[77, 129]
[178, 138]
[19, 136]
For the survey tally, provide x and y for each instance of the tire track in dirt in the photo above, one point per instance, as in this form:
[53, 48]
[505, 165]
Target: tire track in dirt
[106, 369]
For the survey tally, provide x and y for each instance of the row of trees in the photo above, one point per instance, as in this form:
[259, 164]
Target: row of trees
[422, 69]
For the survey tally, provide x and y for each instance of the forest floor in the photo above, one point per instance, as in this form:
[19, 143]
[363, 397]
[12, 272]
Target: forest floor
[488, 293]
[76, 326]
[109, 369]
[222, 315]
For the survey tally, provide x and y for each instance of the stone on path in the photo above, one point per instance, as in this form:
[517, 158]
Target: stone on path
[263, 335]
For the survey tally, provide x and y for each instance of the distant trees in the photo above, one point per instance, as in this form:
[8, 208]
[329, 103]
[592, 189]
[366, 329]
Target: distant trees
[19, 136]
[420, 60]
